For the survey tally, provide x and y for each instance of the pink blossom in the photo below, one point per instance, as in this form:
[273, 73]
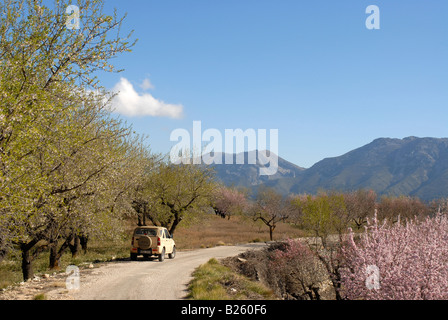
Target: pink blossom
[411, 259]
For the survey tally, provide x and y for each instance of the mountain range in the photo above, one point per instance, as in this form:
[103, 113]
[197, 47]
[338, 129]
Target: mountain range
[410, 166]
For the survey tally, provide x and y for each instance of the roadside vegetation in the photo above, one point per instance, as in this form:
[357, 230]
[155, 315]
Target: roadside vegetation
[99, 251]
[214, 281]
[357, 246]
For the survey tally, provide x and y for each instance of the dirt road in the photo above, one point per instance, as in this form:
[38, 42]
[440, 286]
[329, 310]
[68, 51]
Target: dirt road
[150, 279]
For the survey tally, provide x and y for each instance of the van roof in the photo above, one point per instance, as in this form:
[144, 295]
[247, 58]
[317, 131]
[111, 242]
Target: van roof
[150, 227]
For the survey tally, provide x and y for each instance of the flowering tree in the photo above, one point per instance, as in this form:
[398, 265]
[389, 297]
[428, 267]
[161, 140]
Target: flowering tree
[298, 271]
[228, 201]
[400, 261]
[58, 144]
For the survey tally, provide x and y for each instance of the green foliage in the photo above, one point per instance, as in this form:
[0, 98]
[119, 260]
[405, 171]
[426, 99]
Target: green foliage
[61, 151]
[99, 251]
[323, 214]
[40, 296]
[171, 193]
[213, 281]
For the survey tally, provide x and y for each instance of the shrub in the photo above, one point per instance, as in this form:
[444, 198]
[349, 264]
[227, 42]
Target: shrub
[298, 271]
[289, 268]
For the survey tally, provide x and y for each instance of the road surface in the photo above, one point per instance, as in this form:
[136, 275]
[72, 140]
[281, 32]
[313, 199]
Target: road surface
[150, 279]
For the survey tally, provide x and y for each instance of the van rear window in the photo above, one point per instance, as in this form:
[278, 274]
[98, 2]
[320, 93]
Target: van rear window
[146, 232]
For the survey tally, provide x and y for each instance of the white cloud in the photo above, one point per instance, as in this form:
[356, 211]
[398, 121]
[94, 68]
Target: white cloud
[129, 102]
[146, 84]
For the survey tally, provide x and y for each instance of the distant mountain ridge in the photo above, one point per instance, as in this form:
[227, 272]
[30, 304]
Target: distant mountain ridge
[247, 175]
[410, 166]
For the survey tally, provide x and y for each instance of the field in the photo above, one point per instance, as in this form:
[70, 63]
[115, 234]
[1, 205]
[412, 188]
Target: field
[215, 231]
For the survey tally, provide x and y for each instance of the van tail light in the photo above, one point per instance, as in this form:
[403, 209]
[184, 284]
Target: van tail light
[158, 241]
[132, 241]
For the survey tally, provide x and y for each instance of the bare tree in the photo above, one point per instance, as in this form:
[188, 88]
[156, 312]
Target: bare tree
[360, 205]
[403, 207]
[270, 207]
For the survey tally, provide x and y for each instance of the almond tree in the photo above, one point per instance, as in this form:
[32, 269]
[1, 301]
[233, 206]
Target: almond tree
[82, 174]
[360, 205]
[326, 216]
[175, 193]
[400, 261]
[139, 191]
[297, 265]
[270, 207]
[229, 201]
[93, 185]
[404, 207]
[47, 71]
[4, 235]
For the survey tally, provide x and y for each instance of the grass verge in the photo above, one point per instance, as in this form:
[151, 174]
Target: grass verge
[213, 281]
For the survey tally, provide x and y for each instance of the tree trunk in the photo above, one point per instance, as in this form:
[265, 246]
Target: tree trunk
[55, 254]
[334, 274]
[271, 231]
[3, 244]
[83, 241]
[337, 284]
[153, 220]
[139, 220]
[176, 221]
[54, 258]
[2, 254]
[27, 259]
[316, 293]
[74, 249]
[27, 266]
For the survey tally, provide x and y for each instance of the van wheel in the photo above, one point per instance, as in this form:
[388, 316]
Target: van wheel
[172, 254]
[162, 255]
[133, 256]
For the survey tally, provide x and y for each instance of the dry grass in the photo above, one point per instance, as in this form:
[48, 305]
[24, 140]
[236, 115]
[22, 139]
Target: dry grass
[216, 231]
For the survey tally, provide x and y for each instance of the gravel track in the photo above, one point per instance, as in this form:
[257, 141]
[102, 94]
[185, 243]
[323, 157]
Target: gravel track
[150, 279]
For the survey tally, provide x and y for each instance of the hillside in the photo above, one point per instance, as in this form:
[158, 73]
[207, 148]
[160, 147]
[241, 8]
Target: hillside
[247, 175]
[410, 166]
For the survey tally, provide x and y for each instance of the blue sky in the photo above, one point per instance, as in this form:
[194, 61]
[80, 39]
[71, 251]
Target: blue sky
[310, 69]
